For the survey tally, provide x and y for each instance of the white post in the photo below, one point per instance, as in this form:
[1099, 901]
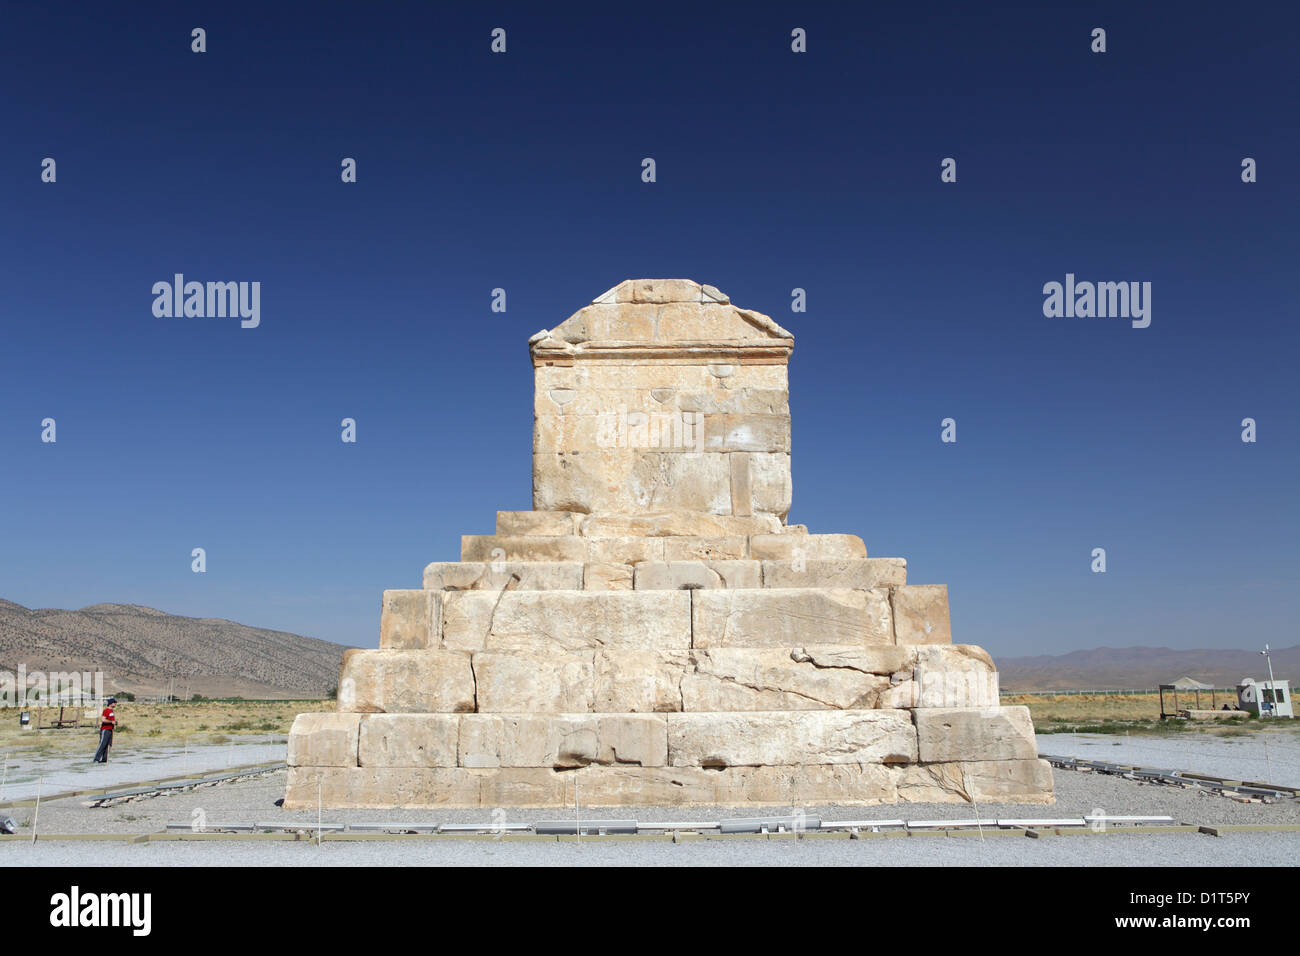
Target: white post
[319, 785]
[1271, 692]
[36, 815]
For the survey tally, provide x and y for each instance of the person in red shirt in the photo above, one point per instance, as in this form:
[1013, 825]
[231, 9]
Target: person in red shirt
[107, 723]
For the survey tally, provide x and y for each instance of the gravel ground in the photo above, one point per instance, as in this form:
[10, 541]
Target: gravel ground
[24, 769]
[1270, 756]
[1188, 850]
[253, 801]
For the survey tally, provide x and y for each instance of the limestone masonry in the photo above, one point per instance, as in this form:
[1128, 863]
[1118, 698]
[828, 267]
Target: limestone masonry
[653, 632]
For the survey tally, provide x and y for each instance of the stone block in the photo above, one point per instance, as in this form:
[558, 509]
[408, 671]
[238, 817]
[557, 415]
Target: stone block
[779, 738]
[528, 740]
[742, 485]
[607, 577]
[921, 614]
[758, 679]
[624, 550]
[631, 480]
[382, 788]
[503, 575]
[563, 741]
[405, 681]
[975, 734]
[677, 575]
[808, 547]
[629, 680]
[746, 433]
[790, 617]
[548, 523]
[324, 740]
[409, 620]
[540, 682]
[692, 524]
[729, 548]
[955, 675]
[566, 620]
[408, 740]
[770, 483]
[532, 547]
[983, 781]
[834, 572]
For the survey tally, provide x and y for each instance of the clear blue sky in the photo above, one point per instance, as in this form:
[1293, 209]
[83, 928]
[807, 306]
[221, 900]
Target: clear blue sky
[775, 171]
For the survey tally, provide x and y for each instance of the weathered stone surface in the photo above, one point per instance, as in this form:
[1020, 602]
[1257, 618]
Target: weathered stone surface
[778, 738]
[500, 575]
[742, 484]
[548, 523]
[533, 547]
[408, 740]
[955, 675]
[528, 740]
[482, 620]
[632, 479]
[641, 681]
[660, 290]
[381, 788]
[1013, 781]
[732, 401]
[405, 681]
[324, 740]
[607, 577]
[887, 660]
[782, 547]
[783, 786]
[624, 550]
[790, 617]
[921, 614]
[975, 733]
[562, 741]
[985, 781]
[834, 572]
[748, 433]
[540, 682]
[771, 487]
[752, 679]
[730, 548]
[693, 382]
[676, 575]
[410, 619]
[596, 785]
[696, 524]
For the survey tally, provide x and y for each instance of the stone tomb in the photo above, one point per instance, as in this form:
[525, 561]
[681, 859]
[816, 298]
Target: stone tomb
[653, 632]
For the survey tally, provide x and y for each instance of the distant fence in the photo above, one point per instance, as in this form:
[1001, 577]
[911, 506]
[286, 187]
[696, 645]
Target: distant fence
[1111, 692]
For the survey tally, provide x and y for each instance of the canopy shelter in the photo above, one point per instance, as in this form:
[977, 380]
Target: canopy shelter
[1186, 685]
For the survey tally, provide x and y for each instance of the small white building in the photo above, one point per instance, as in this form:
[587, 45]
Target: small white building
[1267, 699]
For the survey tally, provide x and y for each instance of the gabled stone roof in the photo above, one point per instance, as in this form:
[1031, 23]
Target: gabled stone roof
[650, 316]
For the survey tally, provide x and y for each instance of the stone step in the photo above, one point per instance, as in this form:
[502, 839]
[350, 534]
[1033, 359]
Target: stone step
[622, 785]
[698, 524]
[714, 739]
[550, 678]
[503, 575]
[655, 616]
[633, 548]
[964, 753]
[835, 573]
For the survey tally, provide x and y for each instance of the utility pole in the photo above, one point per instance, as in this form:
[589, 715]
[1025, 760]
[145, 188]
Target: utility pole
[1271, 693]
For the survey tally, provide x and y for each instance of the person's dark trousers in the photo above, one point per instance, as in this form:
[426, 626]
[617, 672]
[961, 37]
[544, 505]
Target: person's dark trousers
[105, 741]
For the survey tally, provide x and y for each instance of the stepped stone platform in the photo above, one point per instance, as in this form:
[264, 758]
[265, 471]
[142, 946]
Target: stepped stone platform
[654, 632]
